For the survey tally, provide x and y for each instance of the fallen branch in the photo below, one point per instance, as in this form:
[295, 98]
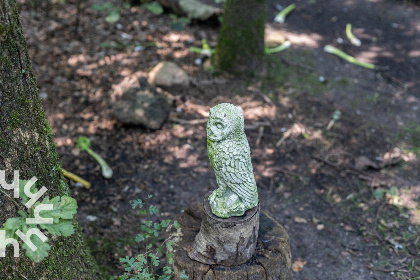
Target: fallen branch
[398, 269]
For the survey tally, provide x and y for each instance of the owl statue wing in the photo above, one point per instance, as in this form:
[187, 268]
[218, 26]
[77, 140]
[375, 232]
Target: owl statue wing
[236, 172]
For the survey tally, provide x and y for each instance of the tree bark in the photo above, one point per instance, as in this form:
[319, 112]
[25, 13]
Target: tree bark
[240, 46]
[26, 145]
[227, 242]
[271, 260]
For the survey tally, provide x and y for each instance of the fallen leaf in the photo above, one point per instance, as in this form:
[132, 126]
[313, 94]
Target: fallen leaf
[348, 228]
[391, 158]
[300, 220]
[298, 265]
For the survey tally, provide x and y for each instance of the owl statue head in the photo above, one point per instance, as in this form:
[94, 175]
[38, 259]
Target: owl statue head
[225, 121]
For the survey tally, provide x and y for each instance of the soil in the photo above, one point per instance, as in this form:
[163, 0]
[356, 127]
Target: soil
[340, 224]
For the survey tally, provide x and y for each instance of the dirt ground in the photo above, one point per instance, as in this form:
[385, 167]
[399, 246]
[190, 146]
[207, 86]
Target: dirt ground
[317, 183]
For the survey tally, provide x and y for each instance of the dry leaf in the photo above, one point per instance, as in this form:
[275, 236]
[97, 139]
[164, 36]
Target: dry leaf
[391, 158]
[348, 228]
[300, 220]
[298, 265]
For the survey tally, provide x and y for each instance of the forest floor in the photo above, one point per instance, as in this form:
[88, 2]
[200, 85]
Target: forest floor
[350, 212]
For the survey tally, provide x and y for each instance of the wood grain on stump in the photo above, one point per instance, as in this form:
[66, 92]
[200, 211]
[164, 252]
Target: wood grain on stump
[271, 260]
[223, 241]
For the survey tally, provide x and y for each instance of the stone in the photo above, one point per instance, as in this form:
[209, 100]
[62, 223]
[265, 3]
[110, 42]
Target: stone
[146, 107]
[168, 74]
[230, 158]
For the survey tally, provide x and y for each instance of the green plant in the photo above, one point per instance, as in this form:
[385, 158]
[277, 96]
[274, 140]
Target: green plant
[143, 265]
[178, 23]
[63, 209]
[83, 143]
[114, 12]
[205, 50]
[154, 7]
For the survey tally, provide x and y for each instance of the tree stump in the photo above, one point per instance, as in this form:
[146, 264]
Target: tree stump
[226, 242]
[271, 260]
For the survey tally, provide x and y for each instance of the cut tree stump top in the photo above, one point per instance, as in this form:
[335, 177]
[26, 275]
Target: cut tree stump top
[272, 258]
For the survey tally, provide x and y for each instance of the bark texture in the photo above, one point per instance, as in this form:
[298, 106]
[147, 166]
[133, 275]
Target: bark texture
[240, 46]
[271, 260]
[226, 242]
[26, 145]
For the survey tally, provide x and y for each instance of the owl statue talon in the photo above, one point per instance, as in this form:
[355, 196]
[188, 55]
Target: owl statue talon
[229, 155]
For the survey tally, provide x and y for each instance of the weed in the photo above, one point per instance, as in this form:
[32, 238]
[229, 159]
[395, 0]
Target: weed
[143, 265]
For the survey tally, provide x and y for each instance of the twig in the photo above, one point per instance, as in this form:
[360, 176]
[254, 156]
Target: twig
[11, 199]
[190, 122]
[256, 125]
[76, 178]
[399, 269]
[260, 135]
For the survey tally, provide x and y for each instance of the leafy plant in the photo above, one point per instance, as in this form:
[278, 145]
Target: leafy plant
[143, 265]
[178, 23]
[154, 7]
[114, 12]
[83, 143]
[205, 50]
[64, 208]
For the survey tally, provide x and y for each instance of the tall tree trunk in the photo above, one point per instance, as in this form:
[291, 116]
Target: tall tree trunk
[240, 46]
[26, 145]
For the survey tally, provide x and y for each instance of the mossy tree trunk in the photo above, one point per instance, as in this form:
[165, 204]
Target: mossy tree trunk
[26, 145]
[240, 46]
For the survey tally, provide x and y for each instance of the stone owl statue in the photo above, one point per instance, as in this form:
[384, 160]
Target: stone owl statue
[229, 154]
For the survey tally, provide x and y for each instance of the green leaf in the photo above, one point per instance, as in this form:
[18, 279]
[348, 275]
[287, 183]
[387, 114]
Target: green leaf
[177, 225]
[113, 16]
[139, 238]
[138, 203]
[154, 259]
[148, 223]
[378, 193]
[63, 208]
[393, 191]
[154, 7]
[22, 194]
[157, 226]
[40, 253]
[183, 275]
[12, 225]
[64, 228]
[142, 212]
[165, 223]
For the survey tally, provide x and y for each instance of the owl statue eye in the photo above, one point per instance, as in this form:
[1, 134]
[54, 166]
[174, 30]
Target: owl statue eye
[219, 126]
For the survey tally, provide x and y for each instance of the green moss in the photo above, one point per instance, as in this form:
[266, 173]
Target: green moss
[26, 141]
[240, 45]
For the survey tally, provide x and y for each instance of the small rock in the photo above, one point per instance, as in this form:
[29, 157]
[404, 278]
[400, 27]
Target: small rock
[167, 74]
[143, 107]
[363, 163]
[91, 218]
